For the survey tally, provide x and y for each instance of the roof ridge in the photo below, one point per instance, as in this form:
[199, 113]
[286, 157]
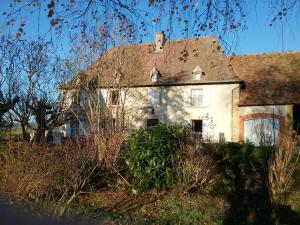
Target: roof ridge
[266, 53]
[168, 41]
[194, 38]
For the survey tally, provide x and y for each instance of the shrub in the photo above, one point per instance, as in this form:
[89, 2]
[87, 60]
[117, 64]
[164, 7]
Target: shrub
[43, 173]
[196, 169]
[153, 153]
[242, 166]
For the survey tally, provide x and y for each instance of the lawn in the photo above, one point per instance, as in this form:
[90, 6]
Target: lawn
[117, 207]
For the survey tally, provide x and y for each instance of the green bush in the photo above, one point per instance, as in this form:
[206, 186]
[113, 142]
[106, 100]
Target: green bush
[241, 164]
[152, 155]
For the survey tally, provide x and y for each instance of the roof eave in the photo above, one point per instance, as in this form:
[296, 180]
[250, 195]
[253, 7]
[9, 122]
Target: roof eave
[177, 84]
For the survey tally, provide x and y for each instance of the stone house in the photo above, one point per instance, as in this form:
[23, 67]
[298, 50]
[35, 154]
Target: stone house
[192, 82]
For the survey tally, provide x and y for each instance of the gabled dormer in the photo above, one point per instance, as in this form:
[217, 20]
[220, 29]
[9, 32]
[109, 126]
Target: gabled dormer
[154, 75]
[117, 77]
[197, 73]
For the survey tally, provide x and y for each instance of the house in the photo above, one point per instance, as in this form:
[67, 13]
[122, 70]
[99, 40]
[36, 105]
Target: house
[192, 82]
[270, 94]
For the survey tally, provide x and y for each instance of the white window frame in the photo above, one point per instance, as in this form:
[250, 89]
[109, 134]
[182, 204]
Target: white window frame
[202, 97]
[154, 99]
[198, 76]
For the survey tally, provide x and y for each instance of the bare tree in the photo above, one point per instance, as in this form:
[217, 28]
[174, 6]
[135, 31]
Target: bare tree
[187, 18]
[22, 114]
[9, 70]
[45, 113]
[38, 88]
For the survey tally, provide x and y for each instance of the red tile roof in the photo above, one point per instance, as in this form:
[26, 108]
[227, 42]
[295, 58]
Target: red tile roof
[270, 78]
[175, 64]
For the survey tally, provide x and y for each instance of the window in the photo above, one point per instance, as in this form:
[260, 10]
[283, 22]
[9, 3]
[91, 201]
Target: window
[221, 137]
[115, 97]
[82, 98]
[154, 78]
[75, 98]
[198, 76]
[197, 126]
[197, 73]
[74, 127]
[196, 97]
[154, 97]
[152, 122]
[154, 74]
[262, 131]
[296, 118]
[68, 99]
[113, 123]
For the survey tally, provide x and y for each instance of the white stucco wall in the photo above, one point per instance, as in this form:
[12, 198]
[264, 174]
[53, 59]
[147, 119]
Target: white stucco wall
[216, 111]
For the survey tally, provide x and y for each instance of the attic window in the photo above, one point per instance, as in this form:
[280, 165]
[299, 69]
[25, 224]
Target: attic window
[155, 75]
[197, 72]
[117, 77]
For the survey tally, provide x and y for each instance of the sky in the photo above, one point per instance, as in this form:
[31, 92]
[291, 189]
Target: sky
[257, 38]
[260, 37]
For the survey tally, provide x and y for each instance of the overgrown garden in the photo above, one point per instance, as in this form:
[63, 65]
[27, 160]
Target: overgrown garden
[161, 175]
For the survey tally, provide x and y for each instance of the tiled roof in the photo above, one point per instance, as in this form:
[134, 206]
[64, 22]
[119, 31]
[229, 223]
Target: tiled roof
[175, 64]
[270, 78]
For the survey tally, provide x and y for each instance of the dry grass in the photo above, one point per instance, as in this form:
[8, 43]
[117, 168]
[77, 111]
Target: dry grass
[43, 173]
[281, 169]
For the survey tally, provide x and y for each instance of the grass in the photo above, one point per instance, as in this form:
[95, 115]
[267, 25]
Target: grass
[117, 207]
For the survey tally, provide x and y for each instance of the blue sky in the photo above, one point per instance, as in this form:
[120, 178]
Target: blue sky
[258, 37]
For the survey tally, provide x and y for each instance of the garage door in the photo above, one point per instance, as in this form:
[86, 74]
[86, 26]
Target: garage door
[262, 131]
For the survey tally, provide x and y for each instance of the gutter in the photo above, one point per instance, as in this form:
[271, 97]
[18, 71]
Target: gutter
[165, 84]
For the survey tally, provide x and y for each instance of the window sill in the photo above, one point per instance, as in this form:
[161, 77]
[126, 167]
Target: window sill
[197, 106]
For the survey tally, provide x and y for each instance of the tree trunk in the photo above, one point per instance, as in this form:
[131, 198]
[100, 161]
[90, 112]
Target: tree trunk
[25, 135]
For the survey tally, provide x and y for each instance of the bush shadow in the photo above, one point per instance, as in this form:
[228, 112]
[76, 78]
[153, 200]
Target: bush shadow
[242, 168]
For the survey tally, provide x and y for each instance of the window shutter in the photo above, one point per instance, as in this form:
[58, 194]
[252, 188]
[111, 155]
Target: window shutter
[206, 97]
[104, 95]
[68, 99]
[186, 97]
[123, 95]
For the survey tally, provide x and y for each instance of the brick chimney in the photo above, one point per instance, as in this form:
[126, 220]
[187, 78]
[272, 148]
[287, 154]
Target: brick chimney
[160, 39]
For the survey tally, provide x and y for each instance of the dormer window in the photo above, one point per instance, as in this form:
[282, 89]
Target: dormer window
[117, 77]
[197, 72]
[155, 75]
